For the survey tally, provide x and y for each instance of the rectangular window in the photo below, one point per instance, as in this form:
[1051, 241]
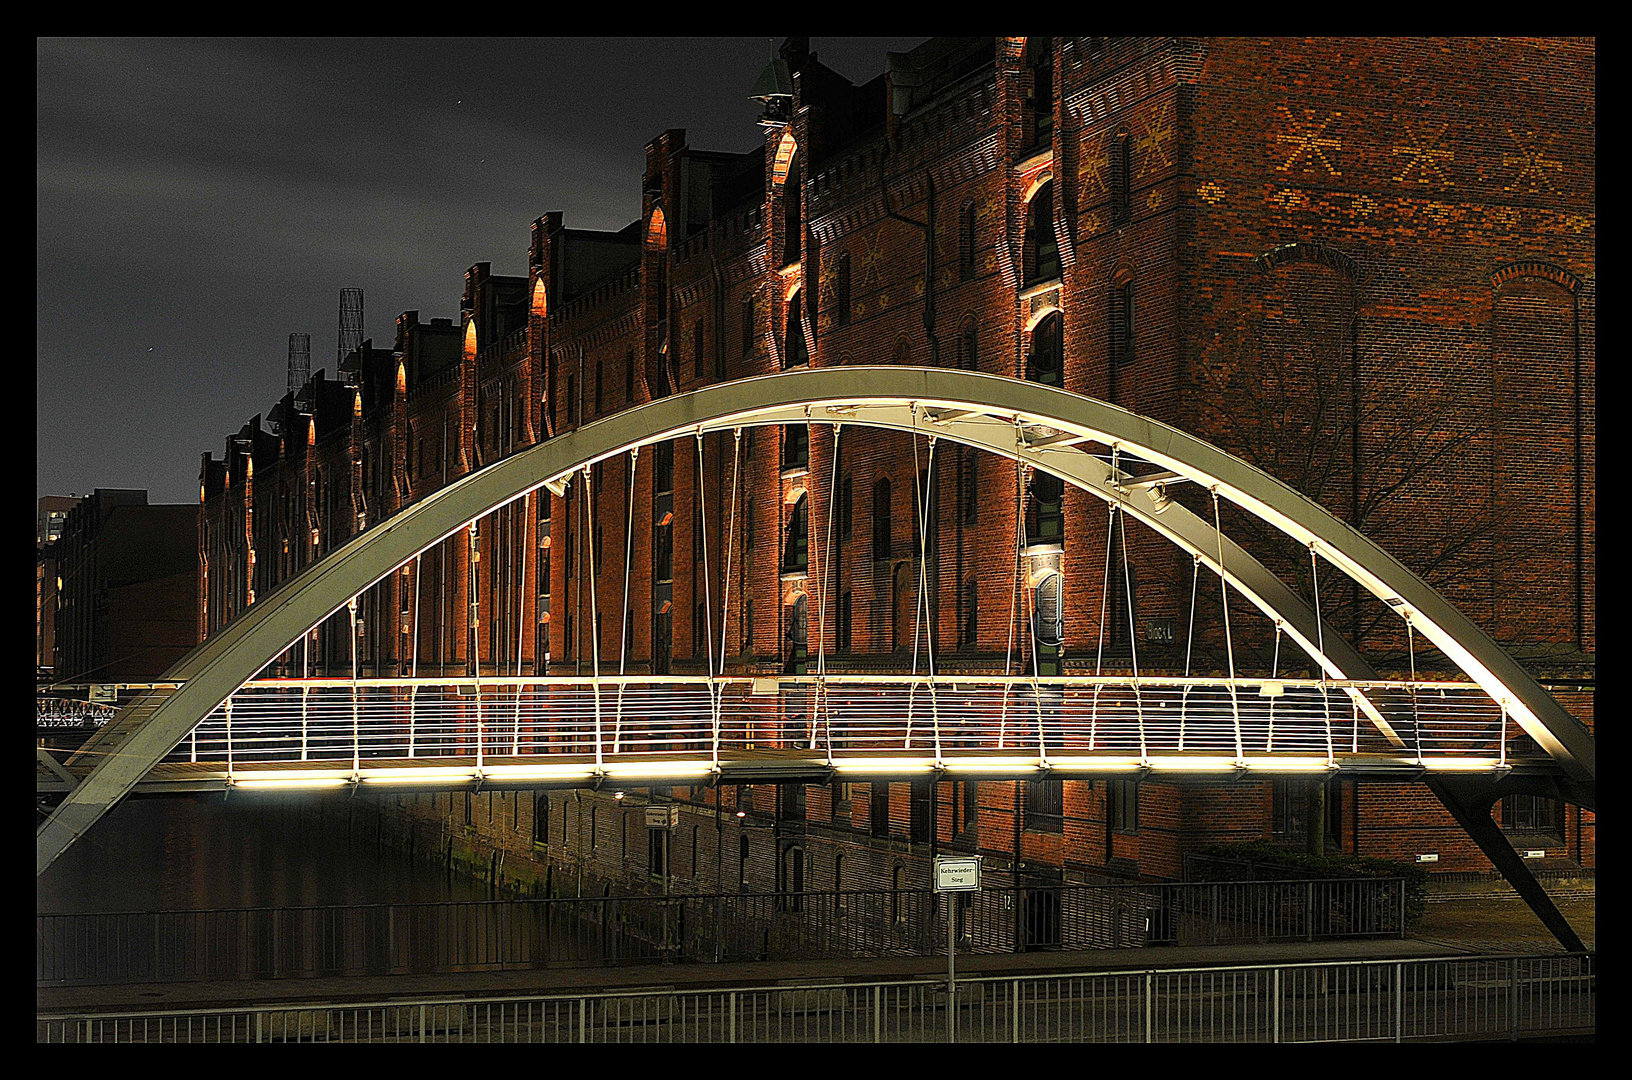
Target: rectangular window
[844, 510]
[541, 817]
[923, 809]
[1530, 814]
[1045, 805]
[1122, 804]
[663, 467]
[663, 554]
[878, 805]
[842, 631]
[657, 852]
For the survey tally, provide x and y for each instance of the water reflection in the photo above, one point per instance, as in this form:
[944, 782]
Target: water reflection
[259, 850]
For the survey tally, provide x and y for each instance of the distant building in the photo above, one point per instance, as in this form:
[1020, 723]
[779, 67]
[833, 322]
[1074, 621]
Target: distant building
[1339, 259]
[127, 606]
[53, 511]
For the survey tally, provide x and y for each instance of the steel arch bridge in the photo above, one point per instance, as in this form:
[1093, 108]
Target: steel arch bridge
[1454, 735]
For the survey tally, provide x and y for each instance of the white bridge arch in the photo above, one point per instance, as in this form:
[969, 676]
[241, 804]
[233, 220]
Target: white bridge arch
[1040, 426]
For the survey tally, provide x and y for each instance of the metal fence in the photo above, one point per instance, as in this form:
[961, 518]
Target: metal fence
[1487, 998]
[416, 939]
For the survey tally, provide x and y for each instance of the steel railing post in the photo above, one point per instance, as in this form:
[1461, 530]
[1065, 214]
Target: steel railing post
[1513, 999]
[732, 1035]
[1150, 979]
[1275, 1007]
[1399, 1002]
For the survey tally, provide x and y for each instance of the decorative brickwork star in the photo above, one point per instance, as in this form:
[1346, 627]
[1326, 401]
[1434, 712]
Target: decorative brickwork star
[1152, 145]
[1309, 141]
[1424, 157]
[1533, 168]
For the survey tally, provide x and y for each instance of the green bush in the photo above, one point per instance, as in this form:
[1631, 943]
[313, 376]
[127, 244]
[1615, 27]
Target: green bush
[1263, 853]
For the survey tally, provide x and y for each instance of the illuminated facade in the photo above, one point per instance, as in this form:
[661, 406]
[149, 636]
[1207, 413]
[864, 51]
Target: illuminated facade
[1382, 292]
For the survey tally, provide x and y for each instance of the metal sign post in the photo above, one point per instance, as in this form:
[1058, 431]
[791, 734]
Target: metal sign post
[954, 874]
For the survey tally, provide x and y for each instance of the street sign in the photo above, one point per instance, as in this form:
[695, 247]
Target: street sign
[957, 873]
[663, 817]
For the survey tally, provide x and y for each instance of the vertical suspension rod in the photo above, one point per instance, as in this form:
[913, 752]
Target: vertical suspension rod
[594, 619]
[1229, 644]
[708, 607]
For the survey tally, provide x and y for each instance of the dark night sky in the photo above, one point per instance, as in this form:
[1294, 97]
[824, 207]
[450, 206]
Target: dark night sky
[200, 200]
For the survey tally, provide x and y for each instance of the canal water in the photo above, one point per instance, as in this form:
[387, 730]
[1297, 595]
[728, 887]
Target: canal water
[154, 854]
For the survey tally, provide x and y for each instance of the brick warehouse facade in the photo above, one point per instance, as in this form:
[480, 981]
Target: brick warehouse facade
[1366, 266]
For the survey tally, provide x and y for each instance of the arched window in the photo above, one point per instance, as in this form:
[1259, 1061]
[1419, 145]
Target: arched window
[969, 344]
[748, 326]
[795, 447]
[1042, 254]
[792, 213]
[657, 237]
[572, 399]
[1040, 106]
[794, 353]
[600, 397]
[1048, 610]
[901, 622]
[966, 242]
[841, 291]
[798, 642]
[796, 555]
[1045, 510]
[883, 525]
[903, 350]
[1122, 322]
[969, 486]
[699, 365]
[1121, 178]
[1046, 362]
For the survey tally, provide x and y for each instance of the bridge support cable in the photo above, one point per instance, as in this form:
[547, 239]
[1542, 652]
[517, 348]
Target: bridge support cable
[305, 673]
[356, 715]
[473, 651]
[1320, 643]
[1031, 638]
[1229, 643]
[1189, 642]
[1411, 651]
[413, 668]
[708, 605]
[821, 618]
[1133, 636]
[1104, 621]
[921, 615]
[526, 515]
[1274, 672]
[718, 704]
[628, 565]
[594, 616]
[1014, 580]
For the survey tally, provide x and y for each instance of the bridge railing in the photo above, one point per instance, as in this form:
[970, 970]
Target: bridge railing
[854, 719]
[1482, 998]
[421, 939]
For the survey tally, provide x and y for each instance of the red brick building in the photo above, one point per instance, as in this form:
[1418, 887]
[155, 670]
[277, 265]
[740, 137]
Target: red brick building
[1367, 266]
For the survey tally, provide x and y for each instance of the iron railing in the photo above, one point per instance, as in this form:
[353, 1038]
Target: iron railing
[427, 938]
[1442, 998]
